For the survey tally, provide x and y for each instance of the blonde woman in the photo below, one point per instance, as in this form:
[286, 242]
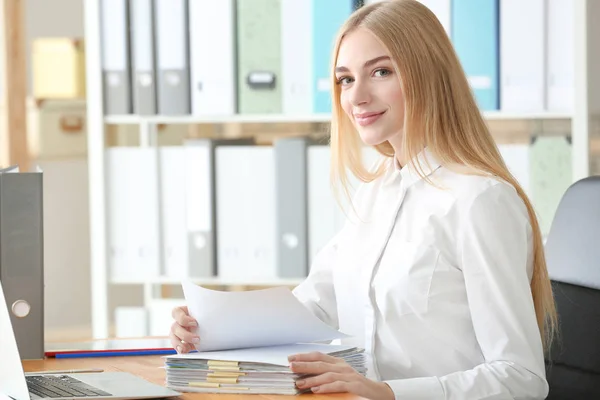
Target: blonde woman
[439, 273]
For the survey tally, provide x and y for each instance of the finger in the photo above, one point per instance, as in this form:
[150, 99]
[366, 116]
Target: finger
[318, 367]
[315, 356]
[333, 387]
[319, 380]
[181, 347]
[175, 342]
[183, 334]
[181, 315]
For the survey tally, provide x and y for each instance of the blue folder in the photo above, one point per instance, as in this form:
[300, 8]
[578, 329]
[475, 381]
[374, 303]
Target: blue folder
[475, 35]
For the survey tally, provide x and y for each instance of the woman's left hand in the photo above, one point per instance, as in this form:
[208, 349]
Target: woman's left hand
[334, 375]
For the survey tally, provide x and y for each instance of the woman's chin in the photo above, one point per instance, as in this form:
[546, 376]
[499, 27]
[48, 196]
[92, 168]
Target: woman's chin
[371, 137]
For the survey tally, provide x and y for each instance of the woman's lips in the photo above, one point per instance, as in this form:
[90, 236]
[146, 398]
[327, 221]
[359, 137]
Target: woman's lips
[364, 119]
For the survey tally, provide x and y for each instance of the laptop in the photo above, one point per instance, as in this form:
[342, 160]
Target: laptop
[106, 385]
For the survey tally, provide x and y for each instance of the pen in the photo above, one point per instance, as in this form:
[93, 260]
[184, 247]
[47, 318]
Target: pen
[67, 371]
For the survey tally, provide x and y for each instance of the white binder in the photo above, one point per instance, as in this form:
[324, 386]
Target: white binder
[522, 66]
[297, 56]
[142, 57]
[115, 57]
[200, 206]
[172, 57]
[173, 211]
[246, 232]
[212, 56]
[442, 10]
[560, 64]
[133, 213]
[324, 214]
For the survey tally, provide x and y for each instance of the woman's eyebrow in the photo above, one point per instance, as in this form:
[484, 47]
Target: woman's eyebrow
[367, 63]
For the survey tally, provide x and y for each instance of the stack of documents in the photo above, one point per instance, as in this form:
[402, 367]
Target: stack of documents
[260, 370]
[245, 341]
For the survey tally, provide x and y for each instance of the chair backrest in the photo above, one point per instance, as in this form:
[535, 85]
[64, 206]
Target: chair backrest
[573, 259]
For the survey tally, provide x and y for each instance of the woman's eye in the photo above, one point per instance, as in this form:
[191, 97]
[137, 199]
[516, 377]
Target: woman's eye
[382, 72]
[344, 80]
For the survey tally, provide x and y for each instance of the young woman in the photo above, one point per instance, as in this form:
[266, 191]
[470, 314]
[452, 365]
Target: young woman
[439, 272]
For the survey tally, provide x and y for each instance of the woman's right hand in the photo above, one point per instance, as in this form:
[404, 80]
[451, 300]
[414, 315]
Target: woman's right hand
[183, 331]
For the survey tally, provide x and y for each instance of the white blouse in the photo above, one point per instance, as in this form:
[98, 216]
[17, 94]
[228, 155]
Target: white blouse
[434, 282]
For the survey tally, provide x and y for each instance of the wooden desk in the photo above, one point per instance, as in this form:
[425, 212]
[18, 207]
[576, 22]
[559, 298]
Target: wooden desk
[148, 367]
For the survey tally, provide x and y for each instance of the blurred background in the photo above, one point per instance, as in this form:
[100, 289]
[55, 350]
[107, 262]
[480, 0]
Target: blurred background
[188, 139]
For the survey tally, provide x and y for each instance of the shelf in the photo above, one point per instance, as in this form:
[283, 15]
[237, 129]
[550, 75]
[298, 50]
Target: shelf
[216, 281]
[216, 119]
[506, 115]
[283, 118]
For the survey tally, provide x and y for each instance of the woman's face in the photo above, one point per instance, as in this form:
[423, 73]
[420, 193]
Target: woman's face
[371, 94]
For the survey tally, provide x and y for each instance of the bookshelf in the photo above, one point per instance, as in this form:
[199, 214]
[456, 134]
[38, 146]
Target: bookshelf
[283, 118]
[587, 59]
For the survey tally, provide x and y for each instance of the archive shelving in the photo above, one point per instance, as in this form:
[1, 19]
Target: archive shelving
[586, 60]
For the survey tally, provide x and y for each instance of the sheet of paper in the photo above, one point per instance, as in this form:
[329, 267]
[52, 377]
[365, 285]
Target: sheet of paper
[267, 317]
[277, 355]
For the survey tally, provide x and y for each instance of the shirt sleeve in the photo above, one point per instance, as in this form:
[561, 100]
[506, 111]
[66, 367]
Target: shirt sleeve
[316, 292]
[494, 250]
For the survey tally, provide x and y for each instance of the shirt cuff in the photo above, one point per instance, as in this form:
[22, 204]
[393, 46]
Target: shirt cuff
[428, 388]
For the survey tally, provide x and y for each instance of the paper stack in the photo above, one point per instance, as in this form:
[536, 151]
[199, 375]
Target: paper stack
[261, 370]
[245, 341]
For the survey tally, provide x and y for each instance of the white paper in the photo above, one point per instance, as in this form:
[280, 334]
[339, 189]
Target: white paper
[277, 355]
[268, 317]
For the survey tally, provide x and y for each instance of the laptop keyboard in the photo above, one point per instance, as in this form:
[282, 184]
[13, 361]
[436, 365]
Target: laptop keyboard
[55, 386]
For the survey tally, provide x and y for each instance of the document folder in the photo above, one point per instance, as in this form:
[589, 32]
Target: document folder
[259, 56]
[22, 257]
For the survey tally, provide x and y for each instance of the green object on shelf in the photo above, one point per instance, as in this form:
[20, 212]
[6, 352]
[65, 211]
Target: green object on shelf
[259, 56]
[551, 175]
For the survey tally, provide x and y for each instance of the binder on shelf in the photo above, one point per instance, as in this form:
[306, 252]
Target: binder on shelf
[188, 207]
[328, 17]
[475, 34]
[296, 57]
[291, 207]
[132, 176]
[442, 10]
[173, 212]
[246, 233]
[559, 62]
[212, 57]
[142, 57]
[551, 169]
[116, 80]
[22, 257]
[259, 56]
[172, 57]
[522, 55]
[325, 217]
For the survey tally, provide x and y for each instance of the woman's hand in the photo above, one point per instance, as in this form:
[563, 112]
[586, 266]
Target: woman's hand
[335, 375]
[183, 331]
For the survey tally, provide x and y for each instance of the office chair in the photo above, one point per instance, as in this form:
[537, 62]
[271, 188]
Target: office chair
[573, 259]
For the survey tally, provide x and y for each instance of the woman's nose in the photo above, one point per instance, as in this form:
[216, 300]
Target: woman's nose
[359, 94]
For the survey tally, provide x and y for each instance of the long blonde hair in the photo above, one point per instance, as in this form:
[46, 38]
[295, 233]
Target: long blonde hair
[440, 113]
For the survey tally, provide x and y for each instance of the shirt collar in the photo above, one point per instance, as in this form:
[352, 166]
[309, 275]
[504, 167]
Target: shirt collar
[424, 162]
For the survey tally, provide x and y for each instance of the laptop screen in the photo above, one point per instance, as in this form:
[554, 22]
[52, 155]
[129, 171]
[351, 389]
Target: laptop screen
[12, 376]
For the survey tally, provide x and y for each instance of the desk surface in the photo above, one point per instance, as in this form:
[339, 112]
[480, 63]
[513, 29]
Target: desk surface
[148, 367]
